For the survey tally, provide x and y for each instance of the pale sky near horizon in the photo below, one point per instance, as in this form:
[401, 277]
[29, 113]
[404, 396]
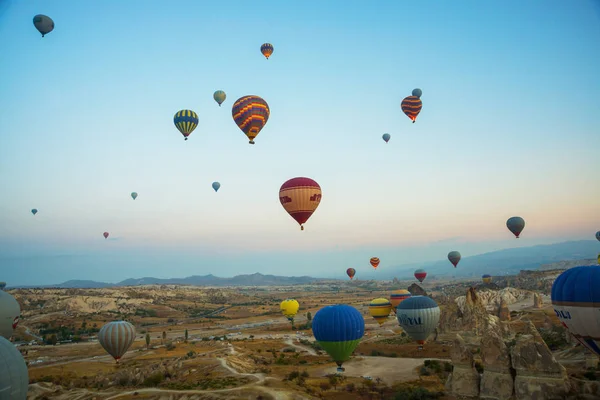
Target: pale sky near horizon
[509, 126]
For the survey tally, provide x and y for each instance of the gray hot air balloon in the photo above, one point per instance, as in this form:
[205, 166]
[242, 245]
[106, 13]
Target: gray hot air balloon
[216, 186]
[515, 225]
[34, 211]
[2, 285]
[386, 137]
[454, 257]
[598, 235]
[14, 377]
[418, 316]
[116, 337]
[10, 311]
[43, 24]
[134, 195]
[417, 93]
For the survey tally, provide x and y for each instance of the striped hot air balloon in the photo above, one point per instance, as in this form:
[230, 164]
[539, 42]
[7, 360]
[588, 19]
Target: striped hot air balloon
[351, 272]
[14, 376]
[380, 310]
[486, 278]
[397, 297]
[411, 106]
[300, 197]
[116, 337]
[251, 114]
[338, 330]
[374, 262]
[267, 49]
[289, 308]
[418, 316]
[186, 121]
[576, 301]
[420, 274]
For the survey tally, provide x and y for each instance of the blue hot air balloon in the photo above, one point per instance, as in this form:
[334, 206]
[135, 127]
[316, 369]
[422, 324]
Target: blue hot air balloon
[576, 301]
[338, 329]
[34, 211]
[216, 186]
[386, 137]
[418, 316]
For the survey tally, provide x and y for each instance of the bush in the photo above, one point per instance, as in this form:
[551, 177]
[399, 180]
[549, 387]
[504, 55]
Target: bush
[170, 346]
[417, 393]
[154, 380]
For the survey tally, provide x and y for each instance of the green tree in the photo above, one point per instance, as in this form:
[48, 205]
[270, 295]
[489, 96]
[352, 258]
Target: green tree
[186, 335]
[309, 316]
[147, 340]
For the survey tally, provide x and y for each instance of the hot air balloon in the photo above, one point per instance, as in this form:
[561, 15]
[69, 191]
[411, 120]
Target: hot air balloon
[10, 311]
[515, 225]
[374, 262]
[598, 235]
[380, 309]
[398, 297]
[34, 211]
[289, 308]
[134, 195]
[300, 197]
[2, 285]
[105, 234]
[251, 114]
[267, 49]
[14, 376]
[454, 257]
[486, 278]
[386, 137]
[411, 106]
[351, 272]
[417, 93]
[219, 97]
[418, 316]
[420, 274]
[186, 121]
[43, 24]
[338, 330]
[116, 337]
[216, 186]
[576, 301]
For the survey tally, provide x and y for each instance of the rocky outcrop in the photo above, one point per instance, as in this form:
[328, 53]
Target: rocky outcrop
[497, 381]
[537, 301]
[464, 380]
[492, 299]
[538, 374]
[503, 311]
[416, 290]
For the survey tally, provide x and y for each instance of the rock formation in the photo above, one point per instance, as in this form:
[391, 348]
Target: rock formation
[503, 311]
[416, 290]
[464, 379]
[492, 299]
[537, 301]
[538, 374]
[497, 381]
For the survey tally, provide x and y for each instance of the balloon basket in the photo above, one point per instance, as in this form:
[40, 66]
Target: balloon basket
[340, 369]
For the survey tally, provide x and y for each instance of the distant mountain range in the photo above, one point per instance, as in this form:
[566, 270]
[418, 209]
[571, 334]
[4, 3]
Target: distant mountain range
[501, 262]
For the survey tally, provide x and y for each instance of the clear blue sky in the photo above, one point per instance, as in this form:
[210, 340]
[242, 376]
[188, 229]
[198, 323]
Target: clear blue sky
[509, 126]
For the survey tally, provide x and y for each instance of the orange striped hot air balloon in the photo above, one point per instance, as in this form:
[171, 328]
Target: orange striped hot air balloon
[374, 262]
[398, 296]
[411, 106]
[251, 114]
[300, 197]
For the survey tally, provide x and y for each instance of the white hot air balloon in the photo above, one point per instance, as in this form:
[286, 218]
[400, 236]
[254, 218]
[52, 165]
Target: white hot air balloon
[418, 316]
[116, 337]
[14, 377]
[10, 311]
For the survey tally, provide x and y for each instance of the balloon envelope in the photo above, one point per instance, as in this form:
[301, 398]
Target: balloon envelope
[10, 311]
[134, 195]
[380, 310]
[398, 296]
[411, 106]
[576, 302]
[14, 377]
[420, 274]
[34, 211]
[374, 262]
[454, 257]
[43, 24]
[219, 97]
[418, 316]
[486, 278]
[598, 235]
[351, 272]
[515, 225]
[338, 329]
[386, 137]
[2, 285]
[186, 121]
[267, 49]
[289, 308]
[116, 337]
[251, 114]
[417, 93]
[300, 197]
[216, 186]
[105, 234]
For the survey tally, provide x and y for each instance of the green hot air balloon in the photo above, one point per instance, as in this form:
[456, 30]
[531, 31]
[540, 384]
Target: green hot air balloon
[338, 330]
[418, 316]
[219, 97]
[14, 377]
[116, 337]
[10, 311]
[454, 258]
[134, 195]
[515, 225]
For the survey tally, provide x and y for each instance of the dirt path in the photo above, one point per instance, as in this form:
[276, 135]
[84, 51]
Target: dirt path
[310, 351]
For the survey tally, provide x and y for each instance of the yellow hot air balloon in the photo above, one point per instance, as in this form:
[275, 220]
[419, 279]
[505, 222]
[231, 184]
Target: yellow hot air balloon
[289, 308]
[380, 309]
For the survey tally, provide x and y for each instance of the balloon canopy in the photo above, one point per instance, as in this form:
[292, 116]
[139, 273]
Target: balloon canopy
[351, 272]
[14, 376]
[43, 24]
[300, 197]
[515, 225]
[420, 274]
[418, 316]
[380, 310]
[267, 49]
[219, 97]
[398, 296]
[116, 337]
[10, 311]
[411, 106]
[289, 308]
[454, 258]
